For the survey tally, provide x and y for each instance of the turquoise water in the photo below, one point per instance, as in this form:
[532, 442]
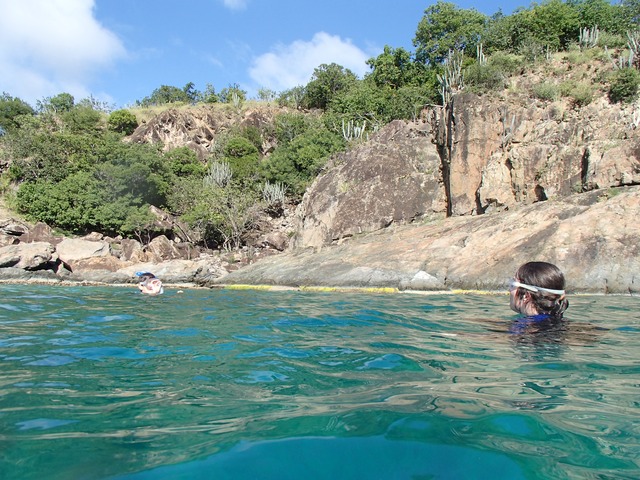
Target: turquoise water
[104, 383]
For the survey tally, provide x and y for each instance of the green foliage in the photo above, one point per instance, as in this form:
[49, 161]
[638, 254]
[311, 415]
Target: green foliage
[252, 133]
[289, 125]
[612, 40]
[380, 105]
[10, 109]
[494, 74]
[38, 154]
[183, 162]
[80, 204]
[81, 119]
[267, 95]
[580, 93]
[169, 94]
[81, 181]
[326, 82]
[603, 14]
[632, 11]
[298, 162]
[546, 91]
[220, 215]
[209, 95]
[394, 68]
[292, 98]
[445, 27]
[243, 157]
[553, 24]
[60, 103]
[233, 94]
[624, 85]
[122, 121]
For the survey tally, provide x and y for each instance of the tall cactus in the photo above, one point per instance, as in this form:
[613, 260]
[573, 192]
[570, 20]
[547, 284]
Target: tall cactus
[588, 37]
[452, 79]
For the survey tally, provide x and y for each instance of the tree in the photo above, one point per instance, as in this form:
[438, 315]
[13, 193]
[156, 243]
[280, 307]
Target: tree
[228, 94]
[394, 68]
[184, 162]
[81, 119]
[554, 24]
[10, 109]
[299, 161]
[122, 121]
[292, 97]
[63, 102]
[165, 94]
[243, 157]
[266, 94]
[209, 95]
[446, 27]
[603, 14]
[632, 11]
[326, 82]
[190, 92]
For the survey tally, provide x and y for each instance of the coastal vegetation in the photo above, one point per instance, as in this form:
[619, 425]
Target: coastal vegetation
[73, 165]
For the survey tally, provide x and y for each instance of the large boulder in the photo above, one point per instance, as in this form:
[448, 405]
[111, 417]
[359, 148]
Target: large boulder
[28, 256]
[73, 250]
[393, 178]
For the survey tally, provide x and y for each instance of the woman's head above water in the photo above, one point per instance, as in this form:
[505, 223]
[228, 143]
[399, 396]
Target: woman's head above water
[538, 289]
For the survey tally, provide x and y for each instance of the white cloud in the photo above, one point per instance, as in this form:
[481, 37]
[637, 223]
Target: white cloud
[235, 4]
[288, 66]
[52, 46]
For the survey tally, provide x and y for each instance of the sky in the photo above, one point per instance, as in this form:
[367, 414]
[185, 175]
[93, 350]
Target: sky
[120, 51]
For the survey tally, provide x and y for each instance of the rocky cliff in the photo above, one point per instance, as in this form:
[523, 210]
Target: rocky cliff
[460, 203]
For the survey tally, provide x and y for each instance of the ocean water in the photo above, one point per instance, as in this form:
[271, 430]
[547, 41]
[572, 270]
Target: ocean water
[104, 383]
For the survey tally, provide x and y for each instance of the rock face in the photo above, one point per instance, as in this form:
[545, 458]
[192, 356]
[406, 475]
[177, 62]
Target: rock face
[493, 156]
[392, 178]
[198, 127]
[593, 237]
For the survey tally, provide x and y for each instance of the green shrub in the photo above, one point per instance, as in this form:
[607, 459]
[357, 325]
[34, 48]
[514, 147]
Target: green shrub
[243, 157]
[580, 93]
[612, 40]
[122, 121]
[297, 164]
[484, 78]
[546, 91]
[624, 85]
[183, 162]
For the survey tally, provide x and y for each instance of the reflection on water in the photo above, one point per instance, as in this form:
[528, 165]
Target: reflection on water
[226, 384]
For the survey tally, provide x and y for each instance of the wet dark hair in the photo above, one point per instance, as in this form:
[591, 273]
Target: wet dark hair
[545, 275]
[146, 276]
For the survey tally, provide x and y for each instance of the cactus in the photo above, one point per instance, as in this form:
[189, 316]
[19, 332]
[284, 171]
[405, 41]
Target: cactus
[219, 174]
[352, 131]
[482, 59]
[274, 193]
[452, 80]
[588, 37]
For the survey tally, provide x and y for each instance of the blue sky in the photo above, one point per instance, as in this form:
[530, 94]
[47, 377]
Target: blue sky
[119, 51]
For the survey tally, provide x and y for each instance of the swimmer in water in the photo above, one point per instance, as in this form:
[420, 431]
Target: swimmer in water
[537, 290]
[149, 284]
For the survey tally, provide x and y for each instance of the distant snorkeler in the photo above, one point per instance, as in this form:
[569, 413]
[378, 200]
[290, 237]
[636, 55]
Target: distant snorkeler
[149, 284]
[538, 290]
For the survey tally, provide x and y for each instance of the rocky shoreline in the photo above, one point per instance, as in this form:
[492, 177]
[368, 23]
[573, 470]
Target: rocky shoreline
[594, 237]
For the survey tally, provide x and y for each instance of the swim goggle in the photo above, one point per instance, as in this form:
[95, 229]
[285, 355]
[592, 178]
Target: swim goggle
[513, 283]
